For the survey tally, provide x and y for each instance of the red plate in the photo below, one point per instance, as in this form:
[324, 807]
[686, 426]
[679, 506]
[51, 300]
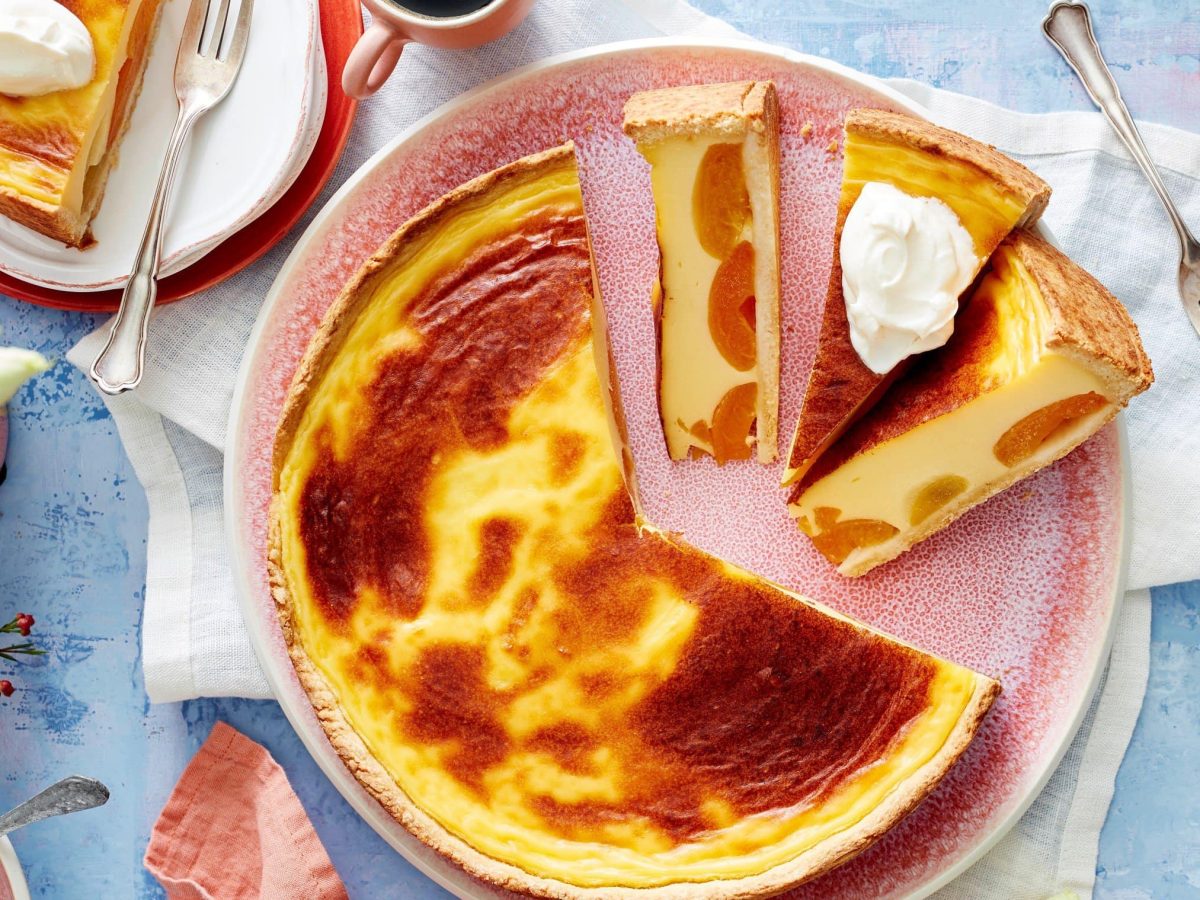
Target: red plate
[341, 25]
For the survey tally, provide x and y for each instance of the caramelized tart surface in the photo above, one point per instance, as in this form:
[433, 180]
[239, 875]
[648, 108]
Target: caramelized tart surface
[538, 683]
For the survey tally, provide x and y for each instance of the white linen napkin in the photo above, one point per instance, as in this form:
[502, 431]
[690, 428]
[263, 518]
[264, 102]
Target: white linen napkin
[1103, 214]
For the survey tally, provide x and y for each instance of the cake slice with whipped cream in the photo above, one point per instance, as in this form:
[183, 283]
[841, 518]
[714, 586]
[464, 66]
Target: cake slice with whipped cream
[921, 209]
[1041, 357]
[70, 74]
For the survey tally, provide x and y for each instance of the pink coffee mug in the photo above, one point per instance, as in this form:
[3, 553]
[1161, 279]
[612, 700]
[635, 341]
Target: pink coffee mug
[393, 25]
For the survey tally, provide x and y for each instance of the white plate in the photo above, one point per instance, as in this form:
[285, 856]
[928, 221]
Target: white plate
[303, 149]
[11, 867]
[242, 156]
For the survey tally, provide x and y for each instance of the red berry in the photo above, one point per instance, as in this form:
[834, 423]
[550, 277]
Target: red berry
[6, 688]
[25, 623]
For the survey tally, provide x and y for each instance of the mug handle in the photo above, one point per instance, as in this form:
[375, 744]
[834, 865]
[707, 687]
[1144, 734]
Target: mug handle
[372, 60]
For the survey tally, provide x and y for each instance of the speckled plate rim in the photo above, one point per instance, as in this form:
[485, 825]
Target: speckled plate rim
[281, 678]
[1098, 664]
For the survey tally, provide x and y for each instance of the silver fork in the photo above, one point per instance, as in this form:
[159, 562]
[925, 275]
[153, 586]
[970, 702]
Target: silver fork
[1069, 28]
[203, 76]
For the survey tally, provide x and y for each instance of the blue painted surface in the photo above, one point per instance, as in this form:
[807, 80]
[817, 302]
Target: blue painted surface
[73, 517]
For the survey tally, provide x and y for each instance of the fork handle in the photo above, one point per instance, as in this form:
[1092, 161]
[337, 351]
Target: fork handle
[1069, 28]
[118, 367]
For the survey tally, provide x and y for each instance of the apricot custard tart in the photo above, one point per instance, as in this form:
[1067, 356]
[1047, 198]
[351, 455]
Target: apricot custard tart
[57, 149]
[714, 156]
[528, 675]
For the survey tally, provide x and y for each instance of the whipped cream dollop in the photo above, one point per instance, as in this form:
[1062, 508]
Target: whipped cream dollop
[43, 48]
[905, 260]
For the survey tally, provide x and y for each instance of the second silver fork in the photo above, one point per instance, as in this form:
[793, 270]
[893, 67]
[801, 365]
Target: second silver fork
[203, 76]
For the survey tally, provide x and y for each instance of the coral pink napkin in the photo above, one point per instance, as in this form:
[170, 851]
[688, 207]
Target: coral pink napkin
[233, 828]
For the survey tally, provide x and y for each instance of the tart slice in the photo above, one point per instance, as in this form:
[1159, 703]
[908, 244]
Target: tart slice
[1042, 356]
[714, 167]
[551, 692]
[988, 195]
[57, 149]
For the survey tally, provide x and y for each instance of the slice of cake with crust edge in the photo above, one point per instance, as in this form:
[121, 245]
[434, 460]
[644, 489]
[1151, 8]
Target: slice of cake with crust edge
[58, 149]
[990, 193]
[1041, 358]
[714, 156]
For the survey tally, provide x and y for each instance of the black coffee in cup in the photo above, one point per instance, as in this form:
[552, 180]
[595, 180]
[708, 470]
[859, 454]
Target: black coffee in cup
[442, 9]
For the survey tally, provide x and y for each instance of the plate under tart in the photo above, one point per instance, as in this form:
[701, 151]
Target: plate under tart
[341, 24]
[1025, 587]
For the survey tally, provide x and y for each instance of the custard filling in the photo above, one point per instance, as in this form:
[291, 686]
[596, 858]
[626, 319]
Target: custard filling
[1028, 403]
[708, 374]
[985, 209]
[54, 141]
[550, 776]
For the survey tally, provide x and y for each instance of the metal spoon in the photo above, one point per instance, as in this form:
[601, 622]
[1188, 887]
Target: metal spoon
[1069, 28]
[73, 794]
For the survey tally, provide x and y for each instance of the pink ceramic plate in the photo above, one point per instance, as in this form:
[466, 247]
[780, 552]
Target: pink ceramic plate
[1025, 588]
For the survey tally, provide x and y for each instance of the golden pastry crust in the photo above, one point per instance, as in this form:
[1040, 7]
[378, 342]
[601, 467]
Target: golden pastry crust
[990, 162]
[368, 770]
[841, 387]
[766, 278]
[728, 110]
[1086, 320]
[51, 221]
